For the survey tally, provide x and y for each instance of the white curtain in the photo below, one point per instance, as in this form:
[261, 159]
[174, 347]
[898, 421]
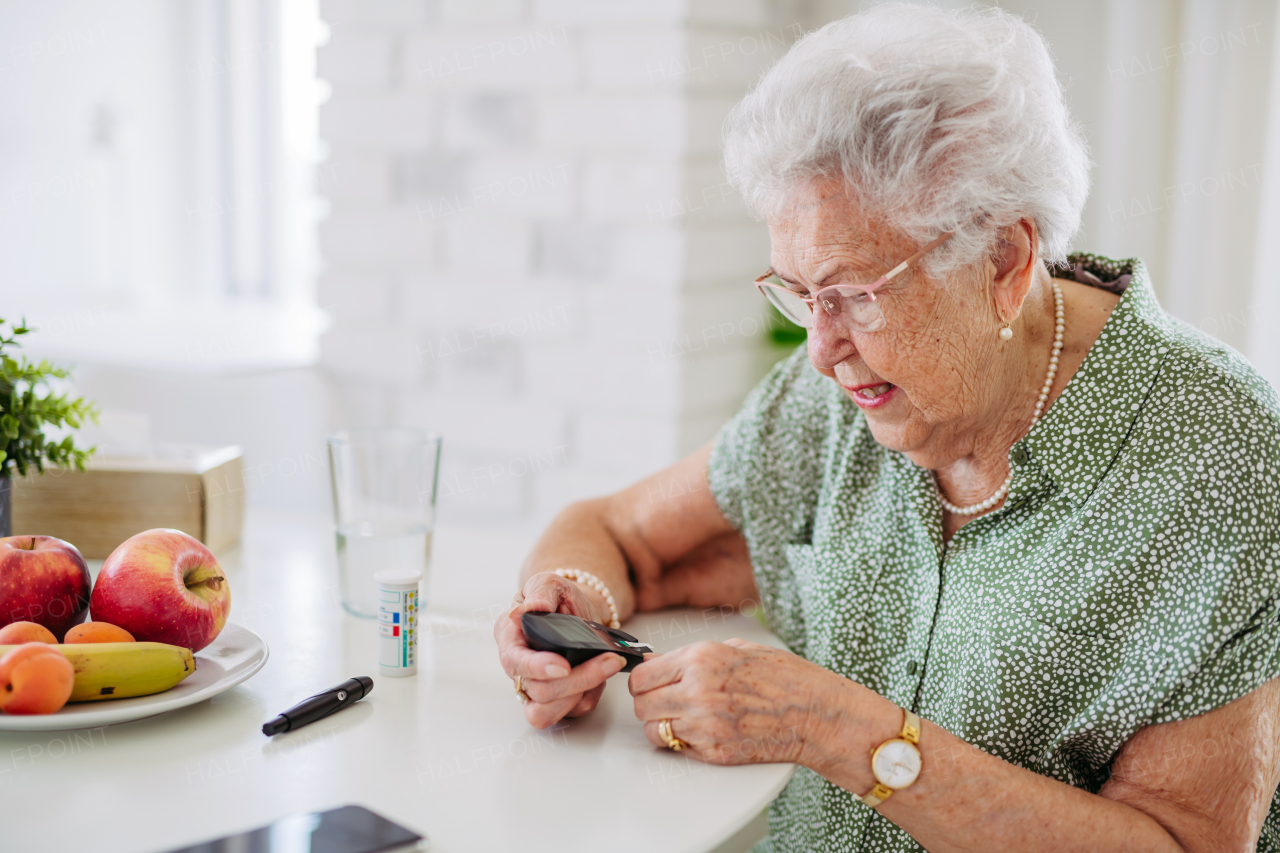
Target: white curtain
[1182, 154]
[1263, 343]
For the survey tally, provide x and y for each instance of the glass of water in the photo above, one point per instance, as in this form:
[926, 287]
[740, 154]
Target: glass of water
[384, 507]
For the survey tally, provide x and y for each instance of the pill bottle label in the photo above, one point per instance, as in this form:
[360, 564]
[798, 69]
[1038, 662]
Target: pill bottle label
[398, 631]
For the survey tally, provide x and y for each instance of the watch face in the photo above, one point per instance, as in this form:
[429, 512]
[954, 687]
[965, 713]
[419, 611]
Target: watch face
[896, 763]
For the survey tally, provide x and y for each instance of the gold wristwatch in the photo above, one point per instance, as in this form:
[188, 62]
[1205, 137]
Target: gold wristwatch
[896, 762]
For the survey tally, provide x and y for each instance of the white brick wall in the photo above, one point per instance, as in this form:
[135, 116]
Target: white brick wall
[632, 59]
[482, 11]
[587, 13]
[356, 59]
[531, 246]
[378, 121]
[379, 16]
[386, 238]
[479, 57]
[358, 180]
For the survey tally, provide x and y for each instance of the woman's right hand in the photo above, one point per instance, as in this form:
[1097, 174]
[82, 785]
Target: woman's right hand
[555, 690]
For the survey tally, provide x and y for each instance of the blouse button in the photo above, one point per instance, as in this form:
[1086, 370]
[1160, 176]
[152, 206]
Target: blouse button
[911, 668]
[1020, 456]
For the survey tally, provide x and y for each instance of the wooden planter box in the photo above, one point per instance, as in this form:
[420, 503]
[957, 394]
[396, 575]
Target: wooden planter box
[199, 491]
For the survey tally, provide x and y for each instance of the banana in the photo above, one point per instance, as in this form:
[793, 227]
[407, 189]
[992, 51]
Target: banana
[122, 670]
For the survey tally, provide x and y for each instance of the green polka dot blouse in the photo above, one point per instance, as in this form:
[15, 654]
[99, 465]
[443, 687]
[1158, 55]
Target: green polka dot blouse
[1130, 579]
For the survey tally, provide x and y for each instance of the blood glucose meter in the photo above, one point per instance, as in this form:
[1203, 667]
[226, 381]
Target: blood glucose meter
[580, 640]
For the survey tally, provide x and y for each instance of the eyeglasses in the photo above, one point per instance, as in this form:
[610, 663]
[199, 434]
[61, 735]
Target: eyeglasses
[853, 304]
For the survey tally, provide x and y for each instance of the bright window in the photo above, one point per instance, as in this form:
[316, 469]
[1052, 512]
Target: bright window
[157, 203]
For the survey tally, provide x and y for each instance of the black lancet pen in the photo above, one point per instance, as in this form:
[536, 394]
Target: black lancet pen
[320, 705]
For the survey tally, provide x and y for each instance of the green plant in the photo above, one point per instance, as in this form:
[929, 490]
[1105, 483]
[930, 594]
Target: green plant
[25, 413]
[783, 332]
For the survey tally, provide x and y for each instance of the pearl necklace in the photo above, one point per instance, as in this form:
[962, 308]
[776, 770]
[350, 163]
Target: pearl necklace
[1040, 404]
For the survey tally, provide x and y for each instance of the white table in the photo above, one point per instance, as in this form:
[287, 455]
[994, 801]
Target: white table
[447, 753]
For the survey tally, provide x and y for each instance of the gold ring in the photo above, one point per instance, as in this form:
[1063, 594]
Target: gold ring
[664, 731]
[524, 697]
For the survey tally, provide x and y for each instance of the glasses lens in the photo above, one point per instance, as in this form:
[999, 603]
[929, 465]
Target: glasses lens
[790, 305]
[852, 306]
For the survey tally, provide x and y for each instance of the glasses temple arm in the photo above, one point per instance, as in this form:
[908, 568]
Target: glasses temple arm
[918, 255]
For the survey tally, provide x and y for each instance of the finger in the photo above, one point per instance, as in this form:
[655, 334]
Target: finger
[549, 593]
[508, 626]
[522, 660]
[518, 659]
[651, 732]
[662, 702]
[587, 703]
[540, 714]
[655, 673]
[544, 592]
[516, 656]
[739, 643]
[585, 676]
[539, 597]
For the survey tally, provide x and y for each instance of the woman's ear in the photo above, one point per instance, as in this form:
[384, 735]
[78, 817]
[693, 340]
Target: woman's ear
[1017, 248]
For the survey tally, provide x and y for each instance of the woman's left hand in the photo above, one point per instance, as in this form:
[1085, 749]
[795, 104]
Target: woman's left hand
[734, 702]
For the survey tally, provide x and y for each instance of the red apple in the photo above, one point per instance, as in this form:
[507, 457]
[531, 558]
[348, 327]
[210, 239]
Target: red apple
[42, 580]
[163, 586]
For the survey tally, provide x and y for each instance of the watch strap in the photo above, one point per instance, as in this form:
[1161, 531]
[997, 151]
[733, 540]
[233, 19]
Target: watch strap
[910, 726]
[876, 795]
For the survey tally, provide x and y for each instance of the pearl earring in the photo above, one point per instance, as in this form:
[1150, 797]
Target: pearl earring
[1006, 334]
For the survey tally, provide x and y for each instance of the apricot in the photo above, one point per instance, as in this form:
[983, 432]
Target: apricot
[98, 632]
[17, 633]
[35, 679]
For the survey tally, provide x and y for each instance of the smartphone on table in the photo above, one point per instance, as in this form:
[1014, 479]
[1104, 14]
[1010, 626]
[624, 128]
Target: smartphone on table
[349, 829]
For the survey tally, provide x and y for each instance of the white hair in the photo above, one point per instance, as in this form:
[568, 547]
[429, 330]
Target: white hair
[936, 120]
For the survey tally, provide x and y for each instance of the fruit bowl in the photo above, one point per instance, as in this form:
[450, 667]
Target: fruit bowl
[234, 656]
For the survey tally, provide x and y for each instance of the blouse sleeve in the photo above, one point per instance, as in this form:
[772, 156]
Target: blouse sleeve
[1237, 658]
[1216, 569]
[1174, 609]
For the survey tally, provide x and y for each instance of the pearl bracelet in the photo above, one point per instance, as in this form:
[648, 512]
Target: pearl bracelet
[595, 583]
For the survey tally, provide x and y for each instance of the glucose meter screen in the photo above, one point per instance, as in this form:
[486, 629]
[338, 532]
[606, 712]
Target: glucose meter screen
[580, 632]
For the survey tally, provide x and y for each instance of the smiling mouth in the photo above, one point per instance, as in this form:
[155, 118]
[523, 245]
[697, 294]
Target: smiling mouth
[875, 390]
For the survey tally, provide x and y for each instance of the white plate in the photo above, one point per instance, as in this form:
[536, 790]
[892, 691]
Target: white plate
[236, 655]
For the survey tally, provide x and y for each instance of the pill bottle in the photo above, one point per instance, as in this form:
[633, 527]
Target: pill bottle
[398, 621]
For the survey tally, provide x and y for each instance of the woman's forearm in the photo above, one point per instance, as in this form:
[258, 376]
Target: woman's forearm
[578, 538]
[967, 800]
[659, 543]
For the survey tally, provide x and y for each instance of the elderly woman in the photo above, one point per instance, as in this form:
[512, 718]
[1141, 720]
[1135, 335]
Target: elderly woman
[1018, 528]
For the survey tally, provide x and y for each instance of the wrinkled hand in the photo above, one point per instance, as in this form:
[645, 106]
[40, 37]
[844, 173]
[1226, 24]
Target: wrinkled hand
[555, 690]
[734, 702]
